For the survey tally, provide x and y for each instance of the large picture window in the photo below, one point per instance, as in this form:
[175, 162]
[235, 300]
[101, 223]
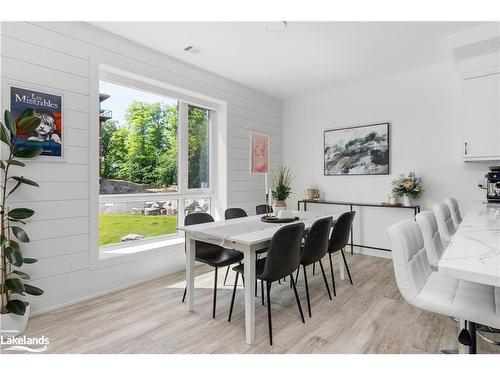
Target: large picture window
[141, 196]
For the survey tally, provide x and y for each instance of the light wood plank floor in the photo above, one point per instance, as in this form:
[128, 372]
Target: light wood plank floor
[369, 317]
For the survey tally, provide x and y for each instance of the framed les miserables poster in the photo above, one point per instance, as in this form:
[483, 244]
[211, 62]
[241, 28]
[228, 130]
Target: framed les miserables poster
[48, 107]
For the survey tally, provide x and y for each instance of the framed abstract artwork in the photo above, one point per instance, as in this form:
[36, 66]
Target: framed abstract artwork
[259, 153]
[358, 150]
[48, 107]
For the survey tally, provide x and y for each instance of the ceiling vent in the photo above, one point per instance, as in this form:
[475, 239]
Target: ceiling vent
[192, 49]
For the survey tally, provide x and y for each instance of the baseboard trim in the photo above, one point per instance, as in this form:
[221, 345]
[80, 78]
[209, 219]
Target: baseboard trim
[371, 252]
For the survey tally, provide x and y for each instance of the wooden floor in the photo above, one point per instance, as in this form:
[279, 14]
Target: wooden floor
[369, 317]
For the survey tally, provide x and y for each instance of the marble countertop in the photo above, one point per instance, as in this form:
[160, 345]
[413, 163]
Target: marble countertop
[474, 251]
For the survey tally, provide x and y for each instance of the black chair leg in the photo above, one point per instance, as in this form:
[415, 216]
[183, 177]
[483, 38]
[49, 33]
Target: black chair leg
[324, 278]
[298, 300]
[314, 268]
[297, 275]
[346, 267]
[255, 287]
[333, 277]
[232, 298]
[215, 292]
[184, 295]
[269, 322]
[225, 277]
[262, 291]
[307, 291]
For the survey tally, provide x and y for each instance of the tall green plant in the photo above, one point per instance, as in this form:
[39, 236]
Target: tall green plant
[282, 183]
[13, 280]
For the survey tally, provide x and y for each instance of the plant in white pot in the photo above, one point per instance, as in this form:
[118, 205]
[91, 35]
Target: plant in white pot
[14, 311]
[282, 187]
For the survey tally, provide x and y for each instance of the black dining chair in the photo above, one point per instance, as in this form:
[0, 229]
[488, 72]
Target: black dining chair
[314, 249]
[214, 255]
[261, 209]
[283, 259]
[339, 239]
[233, 213]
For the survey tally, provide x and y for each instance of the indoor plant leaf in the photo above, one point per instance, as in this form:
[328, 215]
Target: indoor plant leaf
[16, 162]
[4, 136]
[25, 181]
[9, 123]
[30, 152]
[28, 123]
[20, 213]
[33, 290]
[28, 112]
[16, 307]
[15, 285]
[3, 240]
[14, 188]
[30, 260]
[22, 275]
[14, 256]
[2, 165]
[20, 234]
[17, 221]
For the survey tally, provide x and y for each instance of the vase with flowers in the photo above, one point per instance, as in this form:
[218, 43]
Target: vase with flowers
[407, 187]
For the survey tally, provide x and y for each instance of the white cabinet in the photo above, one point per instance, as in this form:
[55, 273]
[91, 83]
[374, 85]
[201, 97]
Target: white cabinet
[482, 118]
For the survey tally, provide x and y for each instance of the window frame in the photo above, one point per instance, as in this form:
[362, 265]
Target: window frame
[185, 161]
[183, 192]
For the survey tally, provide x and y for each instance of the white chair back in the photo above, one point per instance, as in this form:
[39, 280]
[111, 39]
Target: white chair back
[409, 257]
[432, 240]
[454, 210]
[444, 222]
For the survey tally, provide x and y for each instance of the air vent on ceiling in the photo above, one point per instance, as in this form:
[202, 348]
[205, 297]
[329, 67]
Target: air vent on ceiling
[192, 49]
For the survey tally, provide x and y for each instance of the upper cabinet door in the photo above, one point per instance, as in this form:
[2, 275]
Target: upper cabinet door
[482, 116]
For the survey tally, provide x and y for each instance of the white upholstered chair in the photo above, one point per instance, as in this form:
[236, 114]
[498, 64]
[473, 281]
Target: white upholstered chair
[444, 222]
[432, 240]
[454, 210]
[432, 291]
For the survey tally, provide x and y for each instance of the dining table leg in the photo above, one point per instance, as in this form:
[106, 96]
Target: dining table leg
[249, 262]
[190, 270]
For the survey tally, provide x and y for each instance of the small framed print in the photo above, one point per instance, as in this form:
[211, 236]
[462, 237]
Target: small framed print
[259, 153]
[48, 106]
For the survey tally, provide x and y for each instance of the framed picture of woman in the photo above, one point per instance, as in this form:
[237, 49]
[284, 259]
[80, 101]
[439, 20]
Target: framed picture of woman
[259, 153]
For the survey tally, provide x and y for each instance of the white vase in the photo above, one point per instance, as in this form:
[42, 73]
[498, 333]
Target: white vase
[406, 200]
[12, 325]
[278, 206]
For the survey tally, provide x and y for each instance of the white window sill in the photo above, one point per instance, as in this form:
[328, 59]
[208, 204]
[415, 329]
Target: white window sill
[138, 248]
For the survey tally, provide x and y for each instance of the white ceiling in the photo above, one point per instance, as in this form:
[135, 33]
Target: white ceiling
[306, 56]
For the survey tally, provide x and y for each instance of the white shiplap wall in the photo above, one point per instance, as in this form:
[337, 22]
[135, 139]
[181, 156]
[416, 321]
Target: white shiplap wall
[57, 56]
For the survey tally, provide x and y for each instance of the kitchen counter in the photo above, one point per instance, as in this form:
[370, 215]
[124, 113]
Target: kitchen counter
[474, 251]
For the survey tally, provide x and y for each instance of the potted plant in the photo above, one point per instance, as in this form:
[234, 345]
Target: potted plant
[282, 181]
[407, 187]
[14, 311]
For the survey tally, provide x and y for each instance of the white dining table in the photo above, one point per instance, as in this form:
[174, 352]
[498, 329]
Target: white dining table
[247, 235]
[474, 251]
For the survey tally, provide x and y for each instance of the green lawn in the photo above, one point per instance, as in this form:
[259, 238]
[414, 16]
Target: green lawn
[113, 227]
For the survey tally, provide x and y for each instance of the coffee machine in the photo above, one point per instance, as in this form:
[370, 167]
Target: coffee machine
[493, 185]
